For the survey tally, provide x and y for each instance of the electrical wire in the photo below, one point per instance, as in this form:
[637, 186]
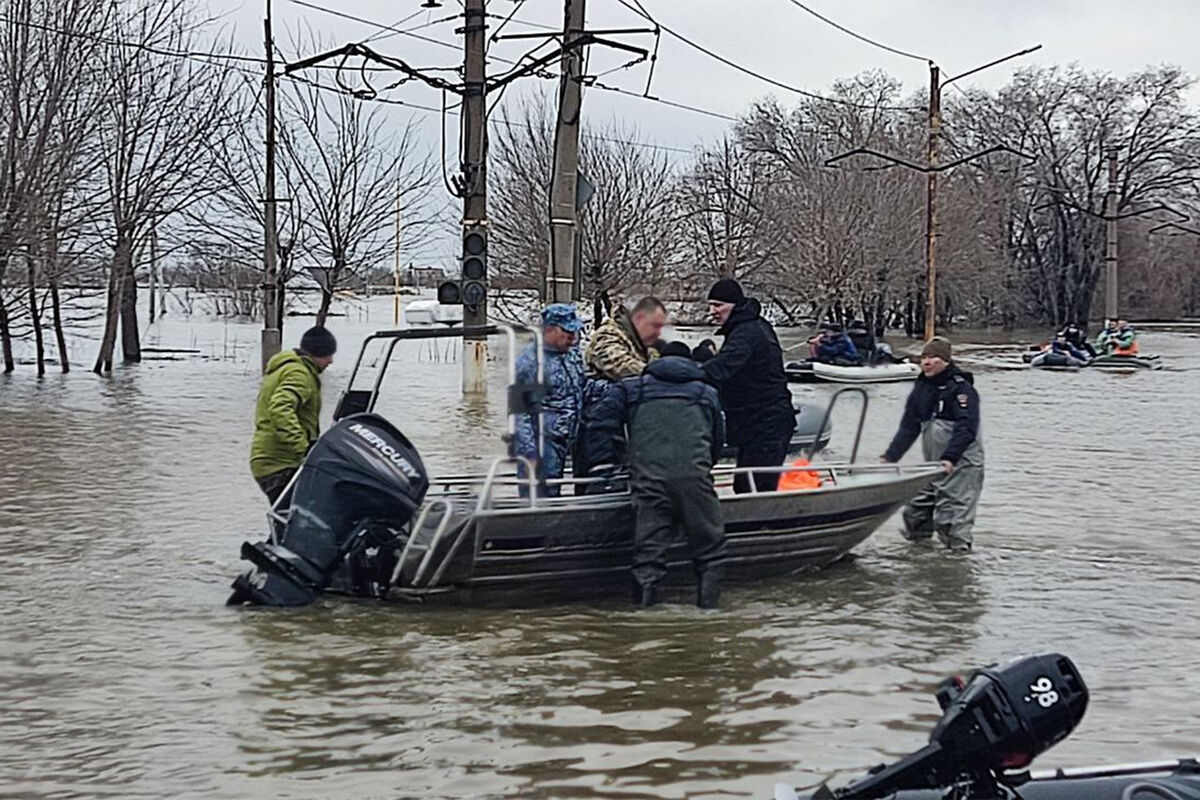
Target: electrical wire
[859, 36]
[383, 27]
[640, 11]
[655, 99]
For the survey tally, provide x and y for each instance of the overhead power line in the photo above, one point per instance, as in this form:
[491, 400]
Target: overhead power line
[641, 12]
[858, 36]
[390, 28]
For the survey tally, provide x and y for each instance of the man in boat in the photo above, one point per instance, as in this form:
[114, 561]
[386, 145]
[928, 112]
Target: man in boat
[287, 417]
[748, 373]
[675, 432]
[1104, 339]
[620, 348]
[1076, 336]
[943, 410]
[833, 346]
[624, 344]
[704, 351]
[863, 339]
[1065, 346]
[1124, 339]
[562, 368]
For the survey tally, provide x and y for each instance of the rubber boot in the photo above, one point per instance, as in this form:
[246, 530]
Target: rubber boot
[708, 589]
[645, 595]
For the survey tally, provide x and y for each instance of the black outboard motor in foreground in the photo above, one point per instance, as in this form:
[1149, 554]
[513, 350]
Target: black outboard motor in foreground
[999, 720]
[360, 485]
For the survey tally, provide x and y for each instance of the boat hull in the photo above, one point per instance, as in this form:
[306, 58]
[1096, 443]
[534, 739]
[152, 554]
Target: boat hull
[816, 372]
[582, 548]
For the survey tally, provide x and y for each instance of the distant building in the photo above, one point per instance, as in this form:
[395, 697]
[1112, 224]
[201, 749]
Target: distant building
[424, 277]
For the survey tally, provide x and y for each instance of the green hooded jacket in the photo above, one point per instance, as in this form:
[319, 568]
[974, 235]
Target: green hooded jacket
[287, 416]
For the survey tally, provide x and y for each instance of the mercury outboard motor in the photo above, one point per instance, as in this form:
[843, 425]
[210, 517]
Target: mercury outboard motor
[998, 720]
[360, 485]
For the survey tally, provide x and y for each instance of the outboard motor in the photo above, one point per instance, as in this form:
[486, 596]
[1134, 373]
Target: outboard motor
[360, 485]
[999, 719]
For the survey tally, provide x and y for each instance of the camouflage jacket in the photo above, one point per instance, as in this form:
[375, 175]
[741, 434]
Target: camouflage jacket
[616, 351]
[564, 379]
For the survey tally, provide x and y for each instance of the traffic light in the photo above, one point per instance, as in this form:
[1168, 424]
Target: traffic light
[449, 293]
[474, 267]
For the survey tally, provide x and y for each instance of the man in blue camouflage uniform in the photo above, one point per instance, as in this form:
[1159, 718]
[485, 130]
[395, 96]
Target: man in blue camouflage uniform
[564, 379]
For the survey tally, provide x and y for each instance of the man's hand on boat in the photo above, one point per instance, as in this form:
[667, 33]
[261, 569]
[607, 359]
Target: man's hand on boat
[947, 467]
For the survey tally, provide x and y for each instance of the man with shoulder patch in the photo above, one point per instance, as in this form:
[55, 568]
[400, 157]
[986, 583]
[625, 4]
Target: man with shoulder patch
[287, 415]
[943, 409]
[623, 346]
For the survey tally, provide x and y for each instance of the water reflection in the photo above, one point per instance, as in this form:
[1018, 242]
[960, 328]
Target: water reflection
[123, 502]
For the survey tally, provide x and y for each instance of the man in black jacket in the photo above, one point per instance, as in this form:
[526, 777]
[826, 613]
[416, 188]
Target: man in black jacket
[675, 433]
[943, 409]
[748, 371]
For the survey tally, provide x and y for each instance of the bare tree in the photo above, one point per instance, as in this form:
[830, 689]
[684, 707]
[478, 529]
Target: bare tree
[629, 233]
[48, 57]
[164, 114]
[346, 172]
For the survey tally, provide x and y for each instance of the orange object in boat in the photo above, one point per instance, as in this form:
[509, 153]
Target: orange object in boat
[1132, 350]
[800, 478]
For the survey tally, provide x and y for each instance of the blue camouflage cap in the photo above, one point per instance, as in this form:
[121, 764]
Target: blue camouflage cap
[562, 315]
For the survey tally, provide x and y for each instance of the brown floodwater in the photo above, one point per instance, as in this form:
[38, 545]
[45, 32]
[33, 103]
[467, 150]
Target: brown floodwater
[123, 503]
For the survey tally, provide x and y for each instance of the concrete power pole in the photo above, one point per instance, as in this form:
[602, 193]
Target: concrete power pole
[1111, 295]
[931, 186]
[271, 339]
[562, 282]
[474, 169]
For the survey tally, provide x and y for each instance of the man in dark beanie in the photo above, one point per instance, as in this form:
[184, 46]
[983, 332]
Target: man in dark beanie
[943, 409]
[287, 416]
[673, 420]
[748, 372]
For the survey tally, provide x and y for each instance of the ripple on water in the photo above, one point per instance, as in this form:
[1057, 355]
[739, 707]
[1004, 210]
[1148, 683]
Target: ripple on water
[124, 502]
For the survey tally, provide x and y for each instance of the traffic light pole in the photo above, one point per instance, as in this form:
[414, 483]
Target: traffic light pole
[474, 170]
[562, 282]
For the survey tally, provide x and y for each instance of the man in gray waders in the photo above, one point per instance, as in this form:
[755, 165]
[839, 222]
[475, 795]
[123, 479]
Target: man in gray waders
[943, 409]
[675, 433]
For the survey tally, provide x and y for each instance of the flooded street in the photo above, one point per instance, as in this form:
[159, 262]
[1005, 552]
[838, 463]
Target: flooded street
[124, 501]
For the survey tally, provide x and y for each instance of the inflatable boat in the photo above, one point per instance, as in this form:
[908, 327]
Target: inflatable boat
[1054, 360]
[993, 725]
[818, 372]
[1126, 364]
[362, 517]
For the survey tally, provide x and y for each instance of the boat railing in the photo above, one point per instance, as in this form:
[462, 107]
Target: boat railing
[478, 492]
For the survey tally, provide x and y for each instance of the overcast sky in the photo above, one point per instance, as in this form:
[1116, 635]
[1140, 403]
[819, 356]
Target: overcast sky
[773, 37]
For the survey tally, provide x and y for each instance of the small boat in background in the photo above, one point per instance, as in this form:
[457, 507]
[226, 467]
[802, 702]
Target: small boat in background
[820, 372]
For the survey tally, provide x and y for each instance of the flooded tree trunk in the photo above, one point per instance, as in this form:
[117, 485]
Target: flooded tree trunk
[323, 311]
[34, 317]
[131, 345]
[112, 313]
[59, 337]
[5, 334]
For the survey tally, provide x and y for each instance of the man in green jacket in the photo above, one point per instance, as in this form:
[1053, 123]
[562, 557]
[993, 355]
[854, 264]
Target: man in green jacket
[287, 418]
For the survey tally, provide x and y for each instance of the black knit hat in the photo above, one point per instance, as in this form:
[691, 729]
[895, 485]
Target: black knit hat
[675, 349]
[727, 290]
[318, 342]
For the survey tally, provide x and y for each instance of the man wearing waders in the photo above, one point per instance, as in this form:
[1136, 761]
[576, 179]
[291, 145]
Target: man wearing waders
[943, 409]
[675, 433]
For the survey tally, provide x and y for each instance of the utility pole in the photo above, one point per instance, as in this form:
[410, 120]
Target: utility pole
[396, 276]
[932, 166]
[931, 186]
[271, 338]
[474, 194]
[1111, 301]
[561, 281]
